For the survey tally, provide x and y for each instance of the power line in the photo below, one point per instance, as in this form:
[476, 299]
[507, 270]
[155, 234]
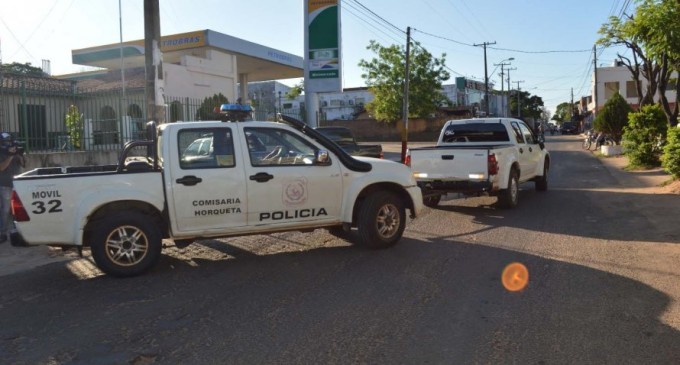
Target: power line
[370, 24]
[379, 17]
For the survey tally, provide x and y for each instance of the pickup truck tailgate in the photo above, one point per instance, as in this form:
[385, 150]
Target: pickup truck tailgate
[448, 163]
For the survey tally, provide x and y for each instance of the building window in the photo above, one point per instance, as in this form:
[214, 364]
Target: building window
[287, 105]
[610, 88]
[631, 91]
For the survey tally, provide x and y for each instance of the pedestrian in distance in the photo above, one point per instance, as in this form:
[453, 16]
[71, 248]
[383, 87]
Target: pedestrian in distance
[11, 161]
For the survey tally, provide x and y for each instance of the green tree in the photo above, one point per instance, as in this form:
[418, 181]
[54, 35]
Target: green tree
[532, 105]
[384, 76]
[660, 30]
[644, 135]
[295, 91]
[207, 109]
[652, 33]
[563, 112]
[22, 69]
[74, 126]
[613, 117]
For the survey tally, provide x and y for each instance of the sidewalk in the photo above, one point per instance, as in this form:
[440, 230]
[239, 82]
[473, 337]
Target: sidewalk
[17, 259]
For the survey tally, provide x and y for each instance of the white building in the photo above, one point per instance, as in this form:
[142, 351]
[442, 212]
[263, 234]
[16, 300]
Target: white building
[618, 78]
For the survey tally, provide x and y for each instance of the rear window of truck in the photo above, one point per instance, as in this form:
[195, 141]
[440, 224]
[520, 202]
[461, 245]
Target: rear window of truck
[475, 132]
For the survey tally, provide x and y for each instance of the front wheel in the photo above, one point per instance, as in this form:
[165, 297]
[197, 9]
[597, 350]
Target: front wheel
[381, 221]
[126, 244]
[508, 198]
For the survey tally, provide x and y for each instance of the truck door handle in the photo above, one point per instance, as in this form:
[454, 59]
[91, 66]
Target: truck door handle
[189, 180]
[447, 157]
[521, 150]
[261, 177]
[531, 149]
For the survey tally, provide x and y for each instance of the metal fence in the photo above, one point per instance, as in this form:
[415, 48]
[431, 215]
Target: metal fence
[34, 110]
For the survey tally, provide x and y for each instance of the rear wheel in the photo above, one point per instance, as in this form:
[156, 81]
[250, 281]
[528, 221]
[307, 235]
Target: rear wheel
[432, 201]
[126, 244]
[508, 198]
[381, 221]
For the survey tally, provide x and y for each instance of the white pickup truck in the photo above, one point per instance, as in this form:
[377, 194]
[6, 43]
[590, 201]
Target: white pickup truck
[481, 156]
[212, 179]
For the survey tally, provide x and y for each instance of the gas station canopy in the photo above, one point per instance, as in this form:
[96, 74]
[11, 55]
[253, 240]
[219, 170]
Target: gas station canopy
[260, 63]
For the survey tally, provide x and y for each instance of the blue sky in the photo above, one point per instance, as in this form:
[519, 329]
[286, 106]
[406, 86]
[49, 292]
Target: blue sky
[33, 30]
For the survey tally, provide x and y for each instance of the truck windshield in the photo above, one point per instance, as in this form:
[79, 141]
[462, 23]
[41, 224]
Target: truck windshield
[475, 132]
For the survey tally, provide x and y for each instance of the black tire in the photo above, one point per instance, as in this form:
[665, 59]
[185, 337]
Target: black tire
[126, 244]
[381, 220]
[541, 182]
[508, 198]
[432, 201]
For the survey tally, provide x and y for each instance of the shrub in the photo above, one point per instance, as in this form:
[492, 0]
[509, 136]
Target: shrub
[207, 109]
[613, 117]
[671, 153]
[644, 136]
[74, 126]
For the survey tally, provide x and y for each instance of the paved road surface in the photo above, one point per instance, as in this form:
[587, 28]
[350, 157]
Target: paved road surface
[601, 246]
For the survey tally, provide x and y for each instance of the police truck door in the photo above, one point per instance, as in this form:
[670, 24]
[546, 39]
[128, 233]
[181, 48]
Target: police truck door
[206, 181]
[284, 185]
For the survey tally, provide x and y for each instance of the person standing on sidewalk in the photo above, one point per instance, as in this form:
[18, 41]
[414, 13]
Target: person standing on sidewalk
[11, 162]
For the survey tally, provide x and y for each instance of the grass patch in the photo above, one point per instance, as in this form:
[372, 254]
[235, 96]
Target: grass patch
[632, 167]
[668, 182]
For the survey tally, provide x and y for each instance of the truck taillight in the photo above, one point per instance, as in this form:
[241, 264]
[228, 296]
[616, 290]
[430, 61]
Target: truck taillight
[382, 154]
[407, 160]
[492, 164]
[18, 211]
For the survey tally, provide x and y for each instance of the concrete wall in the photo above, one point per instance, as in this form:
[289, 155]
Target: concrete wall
[202, 77]
[421, 130]
[85, 158]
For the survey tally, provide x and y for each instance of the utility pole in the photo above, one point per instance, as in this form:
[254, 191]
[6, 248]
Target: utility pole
[519, 105]
[509, 69]
[486, 77]
[155, 108]
[595, 79]
[572, 105]
[404, 132]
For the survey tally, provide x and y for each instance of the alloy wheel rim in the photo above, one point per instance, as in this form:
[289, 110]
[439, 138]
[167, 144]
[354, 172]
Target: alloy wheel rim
[126, 245]
[387, 221]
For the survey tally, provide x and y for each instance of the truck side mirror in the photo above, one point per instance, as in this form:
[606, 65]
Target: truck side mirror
[322, 158]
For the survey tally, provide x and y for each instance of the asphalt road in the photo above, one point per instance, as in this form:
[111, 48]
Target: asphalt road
[601, 248]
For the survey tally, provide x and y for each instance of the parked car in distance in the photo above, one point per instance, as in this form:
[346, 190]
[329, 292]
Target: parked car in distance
[568, 128]
[345, 139]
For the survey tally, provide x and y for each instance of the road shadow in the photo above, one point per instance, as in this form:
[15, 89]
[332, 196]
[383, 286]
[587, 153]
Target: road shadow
[418, 302]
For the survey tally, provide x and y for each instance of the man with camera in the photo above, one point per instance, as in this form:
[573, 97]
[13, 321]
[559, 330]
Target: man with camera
[11, 161]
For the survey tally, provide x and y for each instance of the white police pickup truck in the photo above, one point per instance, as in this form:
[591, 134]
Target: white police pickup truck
[481, 156]
[212, 179]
